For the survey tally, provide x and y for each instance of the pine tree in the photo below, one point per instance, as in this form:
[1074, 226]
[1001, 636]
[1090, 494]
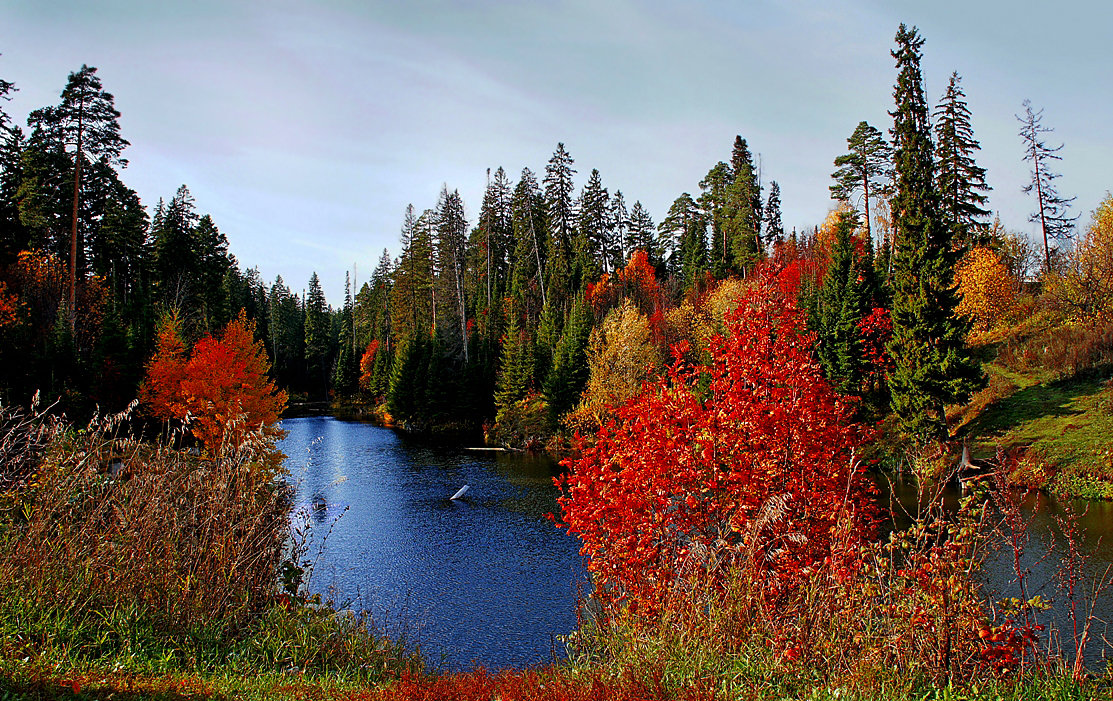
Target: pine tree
[87, 121]
[1051, 213]
[932, 364]
[959, 180]
[866, 167]
[683, 235]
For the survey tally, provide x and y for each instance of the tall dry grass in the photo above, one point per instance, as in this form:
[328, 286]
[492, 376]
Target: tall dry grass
[94, 519]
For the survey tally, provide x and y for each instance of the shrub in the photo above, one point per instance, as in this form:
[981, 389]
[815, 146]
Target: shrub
[748, 459]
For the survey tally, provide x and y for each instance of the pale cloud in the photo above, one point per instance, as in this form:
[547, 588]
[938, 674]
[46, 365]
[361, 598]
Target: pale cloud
[305, 128]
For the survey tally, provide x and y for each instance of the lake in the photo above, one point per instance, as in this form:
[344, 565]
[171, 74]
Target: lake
[490, 580]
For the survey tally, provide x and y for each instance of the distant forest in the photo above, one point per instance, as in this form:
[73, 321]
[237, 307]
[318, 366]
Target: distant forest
[555, 303]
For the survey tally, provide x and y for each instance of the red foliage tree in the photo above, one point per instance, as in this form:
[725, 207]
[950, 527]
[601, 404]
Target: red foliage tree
[367, 364]
[750, 457]
[222, 388]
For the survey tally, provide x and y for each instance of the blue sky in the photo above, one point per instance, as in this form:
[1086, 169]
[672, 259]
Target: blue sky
[305, 128]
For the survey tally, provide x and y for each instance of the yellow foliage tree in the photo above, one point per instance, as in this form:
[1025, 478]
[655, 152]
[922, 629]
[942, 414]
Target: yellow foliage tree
[621, 356]
[1086, 287]
[986, 287]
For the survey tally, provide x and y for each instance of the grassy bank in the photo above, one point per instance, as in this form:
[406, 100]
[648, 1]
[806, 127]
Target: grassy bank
[1048, 405]
[126, 563]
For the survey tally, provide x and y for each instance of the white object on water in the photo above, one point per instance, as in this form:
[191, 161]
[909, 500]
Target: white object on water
[462, 492]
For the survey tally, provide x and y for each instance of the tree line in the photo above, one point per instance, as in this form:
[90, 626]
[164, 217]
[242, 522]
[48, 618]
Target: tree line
[504, 321]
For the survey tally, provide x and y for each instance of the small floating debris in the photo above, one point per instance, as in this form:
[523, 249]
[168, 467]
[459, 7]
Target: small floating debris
[460, 494]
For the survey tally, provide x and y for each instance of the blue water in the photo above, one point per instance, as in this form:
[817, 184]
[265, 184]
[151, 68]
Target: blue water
[487, 580]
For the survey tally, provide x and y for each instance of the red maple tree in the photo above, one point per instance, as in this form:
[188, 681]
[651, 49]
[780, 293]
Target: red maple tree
[221, 389]
[750, 457]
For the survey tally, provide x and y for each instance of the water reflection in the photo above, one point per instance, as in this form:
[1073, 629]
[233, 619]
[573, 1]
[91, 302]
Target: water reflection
[486, 579]
[1044, 560]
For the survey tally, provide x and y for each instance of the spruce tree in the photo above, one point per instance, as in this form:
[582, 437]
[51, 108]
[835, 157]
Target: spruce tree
[566, 381]
[933, 367]
[959, 180]
[641, 235]
[774, 227]
[594, 220]
[840, 306]
[527, 273]
[515, 376]
[318, 338]
[346, 373]
[620, 231]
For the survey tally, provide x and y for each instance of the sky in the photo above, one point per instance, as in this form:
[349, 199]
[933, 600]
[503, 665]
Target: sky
[305, 128]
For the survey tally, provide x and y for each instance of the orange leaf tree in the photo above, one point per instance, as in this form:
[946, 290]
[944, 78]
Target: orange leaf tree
[221, 388]
[749, 456]
[986, 287]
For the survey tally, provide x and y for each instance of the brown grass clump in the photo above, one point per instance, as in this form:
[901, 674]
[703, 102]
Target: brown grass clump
[102, 520]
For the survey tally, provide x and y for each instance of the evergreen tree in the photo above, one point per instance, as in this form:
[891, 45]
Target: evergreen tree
[86, 120]
[210, 251]
[527, 212]
[620, 231]
[566, 381]
[412, 297]
[774, 228]
[560, 216]
[642, 234]
[346, 373]
[452, 227]
[558, 198]
[286, 337]
[866, 168]
[594, 220]
[13, 234]
[515, 378]
[840, 306]
[119, 249]
[1051, 208]
[713, 205]
[318, 338]
[683, 234]
[496, 239]
[176, 264]
[932, 364]
[959, 180]
[742, 211]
